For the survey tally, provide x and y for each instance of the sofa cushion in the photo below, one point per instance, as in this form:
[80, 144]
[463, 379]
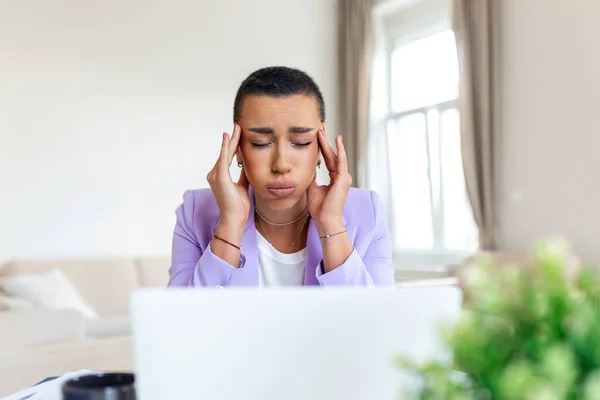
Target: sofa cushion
[8, 303]
[153, 271]
[115, 325]
[50, 290]
[24, 328]
[105, 284]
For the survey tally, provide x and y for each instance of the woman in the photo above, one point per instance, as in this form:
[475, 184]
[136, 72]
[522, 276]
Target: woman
[276, 226]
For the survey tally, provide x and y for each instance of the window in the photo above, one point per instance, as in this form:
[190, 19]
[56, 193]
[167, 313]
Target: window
[430, 215]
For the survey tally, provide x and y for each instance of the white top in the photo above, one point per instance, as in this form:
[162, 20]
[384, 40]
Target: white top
[277, 268]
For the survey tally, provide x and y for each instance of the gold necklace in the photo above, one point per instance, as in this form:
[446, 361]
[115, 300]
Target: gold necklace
[282, 223]
[295, 237]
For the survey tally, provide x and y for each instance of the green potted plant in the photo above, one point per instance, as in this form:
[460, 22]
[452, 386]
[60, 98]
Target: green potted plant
[527, 332]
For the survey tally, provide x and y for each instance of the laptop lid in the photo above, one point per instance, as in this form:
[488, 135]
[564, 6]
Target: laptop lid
[293, 343]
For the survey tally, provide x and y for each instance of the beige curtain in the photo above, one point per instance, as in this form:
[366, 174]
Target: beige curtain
[355, 54]
[475, 24]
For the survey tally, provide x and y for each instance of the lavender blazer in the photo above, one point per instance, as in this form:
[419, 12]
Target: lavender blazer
[194, 264]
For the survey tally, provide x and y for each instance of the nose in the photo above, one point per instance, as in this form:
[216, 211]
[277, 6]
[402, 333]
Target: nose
[281, 163]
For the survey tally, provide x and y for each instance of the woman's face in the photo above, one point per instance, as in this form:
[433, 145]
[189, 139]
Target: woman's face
[279, 147]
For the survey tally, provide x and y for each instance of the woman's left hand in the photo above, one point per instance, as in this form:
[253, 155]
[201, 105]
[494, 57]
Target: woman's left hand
[326, 203]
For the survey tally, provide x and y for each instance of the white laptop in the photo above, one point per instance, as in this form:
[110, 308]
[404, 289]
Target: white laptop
[298, 343]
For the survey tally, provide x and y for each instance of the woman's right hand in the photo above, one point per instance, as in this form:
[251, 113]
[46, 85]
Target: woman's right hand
[232, 198]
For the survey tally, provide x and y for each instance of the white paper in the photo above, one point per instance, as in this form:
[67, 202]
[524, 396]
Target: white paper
[50, 390]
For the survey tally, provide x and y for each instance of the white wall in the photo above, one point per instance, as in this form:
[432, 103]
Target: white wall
[549, 158]
[109, 110]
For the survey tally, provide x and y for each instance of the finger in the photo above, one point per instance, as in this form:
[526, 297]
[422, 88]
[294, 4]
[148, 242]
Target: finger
[223, 157]
[328, 153]
[342, 161]
[313, 191]
[243, 181]
[234, 142]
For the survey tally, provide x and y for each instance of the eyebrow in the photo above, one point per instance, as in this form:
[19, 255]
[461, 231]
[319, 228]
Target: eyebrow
[270, 131]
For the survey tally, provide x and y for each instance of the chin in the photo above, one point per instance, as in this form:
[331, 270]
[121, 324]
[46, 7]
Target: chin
[282, 203]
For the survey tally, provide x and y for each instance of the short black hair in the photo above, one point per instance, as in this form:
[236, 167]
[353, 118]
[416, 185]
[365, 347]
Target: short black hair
[277, 82]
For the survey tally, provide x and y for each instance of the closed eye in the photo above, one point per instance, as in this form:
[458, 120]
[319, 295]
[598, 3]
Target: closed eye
[302, 144]
[254, 144]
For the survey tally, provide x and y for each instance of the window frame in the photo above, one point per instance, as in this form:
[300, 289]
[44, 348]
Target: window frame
[428, 17]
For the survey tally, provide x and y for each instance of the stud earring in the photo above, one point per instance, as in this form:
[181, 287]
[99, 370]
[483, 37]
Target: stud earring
[319, 164]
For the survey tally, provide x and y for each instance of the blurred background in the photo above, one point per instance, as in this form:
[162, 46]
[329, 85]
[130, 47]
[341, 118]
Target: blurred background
[110, 110]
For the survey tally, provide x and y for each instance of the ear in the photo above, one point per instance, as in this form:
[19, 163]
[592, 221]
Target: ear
[238, 156]
[319, 156]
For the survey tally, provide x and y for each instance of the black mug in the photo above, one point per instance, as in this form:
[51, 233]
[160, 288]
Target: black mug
[109, 386]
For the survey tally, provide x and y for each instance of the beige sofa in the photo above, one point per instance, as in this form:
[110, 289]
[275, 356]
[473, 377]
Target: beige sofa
[36, 343]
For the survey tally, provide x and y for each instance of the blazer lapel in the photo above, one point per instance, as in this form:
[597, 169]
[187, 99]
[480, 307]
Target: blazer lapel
[314, 255]
[250, 246]
[250, 251]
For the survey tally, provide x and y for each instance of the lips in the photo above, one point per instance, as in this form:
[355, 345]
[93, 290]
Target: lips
[281, 189]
